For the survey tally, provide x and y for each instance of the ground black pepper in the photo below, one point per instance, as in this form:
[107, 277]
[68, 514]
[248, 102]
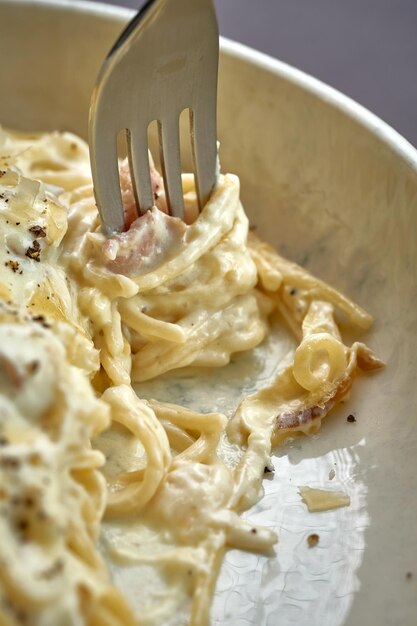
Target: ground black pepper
[38, 231]
[14, 265]
[34, 251]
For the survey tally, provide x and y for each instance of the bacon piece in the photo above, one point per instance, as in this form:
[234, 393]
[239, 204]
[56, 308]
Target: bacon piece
[128, 196]
[150, 240]
[309, 416]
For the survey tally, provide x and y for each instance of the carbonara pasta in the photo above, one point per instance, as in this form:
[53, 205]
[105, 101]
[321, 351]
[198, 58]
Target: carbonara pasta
[82, 455]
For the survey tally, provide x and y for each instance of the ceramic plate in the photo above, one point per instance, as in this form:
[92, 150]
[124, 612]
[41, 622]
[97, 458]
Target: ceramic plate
[335, 189]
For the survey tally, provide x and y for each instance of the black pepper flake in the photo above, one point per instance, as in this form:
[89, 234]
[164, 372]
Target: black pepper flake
[313, 540]
[34, 251]
[13, 265]
[267, 470]
[293, 291]
[253, 531]
[41, 320]
[38, 231]
[351, 418]
[17, 223]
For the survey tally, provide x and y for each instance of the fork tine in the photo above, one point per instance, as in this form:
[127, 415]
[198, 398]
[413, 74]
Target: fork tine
[204, 148]
[105, 171]
[138, 156]
[169, 142]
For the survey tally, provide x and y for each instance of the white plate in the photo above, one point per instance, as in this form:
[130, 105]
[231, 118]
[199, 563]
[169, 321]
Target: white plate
[335, 189]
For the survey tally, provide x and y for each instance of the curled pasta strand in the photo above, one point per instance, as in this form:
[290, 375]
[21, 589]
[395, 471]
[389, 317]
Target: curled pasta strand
[240, 535]
[155, 359]
[179, 440]
[297, 277]
[110, 609]
[198, 327]
[88, 459]
[147, 326]
[319, 359]
[248, 474]
[269, 276]
[92, 497]
[113, 332]
[217, 272]
[127, 478]
[139, 418]
[206, 580]
[320, 319]
[202, 451]
[116, 367]
[289, 319]
[188, 419]
[82, 545]
[210, 426]
[214, 222]
[113, 285]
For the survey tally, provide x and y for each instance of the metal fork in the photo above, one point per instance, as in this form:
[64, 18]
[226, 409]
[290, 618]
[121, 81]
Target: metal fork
[165, 61]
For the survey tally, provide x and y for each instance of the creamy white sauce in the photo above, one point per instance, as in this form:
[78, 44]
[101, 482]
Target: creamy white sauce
[126, 544]
[202, 297]
[221, 389]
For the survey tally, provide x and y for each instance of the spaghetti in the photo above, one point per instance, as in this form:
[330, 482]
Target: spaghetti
[82, 318]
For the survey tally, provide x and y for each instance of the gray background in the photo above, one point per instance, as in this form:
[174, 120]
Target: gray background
[365, 48]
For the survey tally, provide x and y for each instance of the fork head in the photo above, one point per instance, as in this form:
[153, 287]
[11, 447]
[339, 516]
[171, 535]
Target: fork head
[165, 61]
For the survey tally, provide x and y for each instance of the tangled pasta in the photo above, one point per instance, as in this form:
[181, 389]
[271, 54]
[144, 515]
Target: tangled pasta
[82, 318]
